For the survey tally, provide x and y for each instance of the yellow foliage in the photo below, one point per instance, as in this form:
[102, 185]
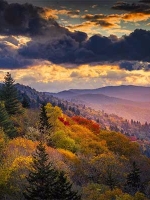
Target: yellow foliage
[92, 191]
[94, 147]
[53, 113]
[140, 196]
[3, 139]
[110, 194]
[125, 197]
[22, 162]
[21, 145]
[69, 155]
[119, 144]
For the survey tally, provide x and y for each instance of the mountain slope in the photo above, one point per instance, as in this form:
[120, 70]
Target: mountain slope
[124, 101]
[129, 92]
[106, 121]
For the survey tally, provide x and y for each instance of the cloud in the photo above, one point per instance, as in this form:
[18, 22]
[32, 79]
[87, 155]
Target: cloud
[113, 21]
[135, 17]
[105, 21]
[73, 48]
[136, 12]
[94, 6]
[135, 65]
[9, 58]
[74, 13]
[51, 77]
[137, 8]
[50, 42]
[25, 19]
[49, 13]
[145, 1]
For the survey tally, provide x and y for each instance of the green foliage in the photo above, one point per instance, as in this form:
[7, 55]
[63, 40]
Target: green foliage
[41, 178]
[61, 140]
[25, 102]
[63, 190]
[134, 179]
[9, 96]
[44, 125]
[3, 143]
[6, 123]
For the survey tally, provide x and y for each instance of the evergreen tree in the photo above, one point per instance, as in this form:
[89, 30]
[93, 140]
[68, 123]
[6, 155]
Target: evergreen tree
[133, 179]
[9, 95]
[45, 182]
[25, 101]
[6, 123]
[43, 122]
[64, 191]
[42, 178]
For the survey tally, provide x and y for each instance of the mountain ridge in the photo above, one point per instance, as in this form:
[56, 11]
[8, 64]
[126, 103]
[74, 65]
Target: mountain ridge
[128, 92]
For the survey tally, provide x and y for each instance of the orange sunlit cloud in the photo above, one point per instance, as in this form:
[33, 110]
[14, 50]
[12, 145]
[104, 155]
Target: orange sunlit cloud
[96, 76]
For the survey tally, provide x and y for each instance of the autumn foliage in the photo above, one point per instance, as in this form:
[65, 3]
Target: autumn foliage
[93, 126]
[63, 120]
[97, 161]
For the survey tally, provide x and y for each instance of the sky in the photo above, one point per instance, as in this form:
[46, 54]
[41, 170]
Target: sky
[59, 45]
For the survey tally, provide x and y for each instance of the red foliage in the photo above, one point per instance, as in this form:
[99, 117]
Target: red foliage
[133, 138]
[66, 123]
[93, 126]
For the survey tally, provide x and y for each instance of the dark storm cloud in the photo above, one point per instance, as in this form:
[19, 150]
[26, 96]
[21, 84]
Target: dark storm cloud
[23, 19]
[60, 50]
[104, 23]
[9, 59]
[64, 46]
[134, 8]
[145, 1]
[97, 48]
[134, 65]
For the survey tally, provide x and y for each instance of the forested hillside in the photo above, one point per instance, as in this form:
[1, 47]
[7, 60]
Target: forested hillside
[124, 101]
[84, 160]
[140, 131]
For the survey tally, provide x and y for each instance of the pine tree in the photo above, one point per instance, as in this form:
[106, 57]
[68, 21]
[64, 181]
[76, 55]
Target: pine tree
[9, 96]
[45, 182]
[133, 179]
[64, 189]
[43, 122]
[25, 101]
[42, 178]
[6, 123]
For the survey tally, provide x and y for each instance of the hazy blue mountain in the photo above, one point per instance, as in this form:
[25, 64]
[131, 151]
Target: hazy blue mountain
[130, 102]
[129, 92]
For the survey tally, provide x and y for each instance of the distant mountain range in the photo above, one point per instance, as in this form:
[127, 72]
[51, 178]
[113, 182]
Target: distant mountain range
[129, 102]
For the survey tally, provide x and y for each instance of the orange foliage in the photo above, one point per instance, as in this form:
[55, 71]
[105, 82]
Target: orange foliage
[93, 126]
